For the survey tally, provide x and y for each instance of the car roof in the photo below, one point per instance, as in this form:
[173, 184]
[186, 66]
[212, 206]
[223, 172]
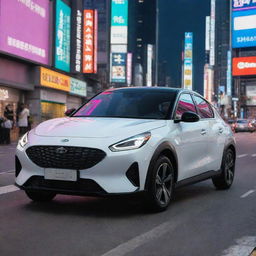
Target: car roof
[157, 89]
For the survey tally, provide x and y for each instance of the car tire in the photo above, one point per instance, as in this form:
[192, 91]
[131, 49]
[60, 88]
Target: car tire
[40, 196]
[226, 178]
[160, 184]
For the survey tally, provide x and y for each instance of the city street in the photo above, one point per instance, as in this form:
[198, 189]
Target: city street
[200, 220]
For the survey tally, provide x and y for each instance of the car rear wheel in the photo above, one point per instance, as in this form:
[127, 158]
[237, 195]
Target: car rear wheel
[40, 196]
[160, 184]
[225, 180]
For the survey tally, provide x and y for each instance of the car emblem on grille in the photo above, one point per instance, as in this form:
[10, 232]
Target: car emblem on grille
[65, 140]
[61, 150]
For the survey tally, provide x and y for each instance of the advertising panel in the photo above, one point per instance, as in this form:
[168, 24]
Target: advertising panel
[239, 5]
[244, 66]
[119, 21]
[54, 79]
[76, 36]
[95, 57]
[149, 64]
[78, 87]
[89, 42]
[244, 29]
[207, 33]
[229, 73]
[118, 68]
[129, 69]
[212, 33]
[62, 37]
[188, 62]
[27, 34]
[251, 95]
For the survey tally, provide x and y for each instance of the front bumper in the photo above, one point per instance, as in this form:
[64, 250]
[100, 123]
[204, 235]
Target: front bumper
[107, 177]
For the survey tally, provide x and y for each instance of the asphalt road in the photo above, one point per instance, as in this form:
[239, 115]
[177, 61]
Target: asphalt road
[200, 221]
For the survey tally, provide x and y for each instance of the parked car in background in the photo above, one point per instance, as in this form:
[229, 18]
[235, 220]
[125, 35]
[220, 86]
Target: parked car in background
[244, 125]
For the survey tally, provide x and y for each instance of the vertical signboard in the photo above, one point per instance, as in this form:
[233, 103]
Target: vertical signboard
[90, 42]
[24, 29]
[212, 33]
[95, 41]
[229, 74]
[149, 64]
[129, 69]
[62, 37]
[76, 36]
[119, 21]
[207, 33]
[188, 62]
[118, 72]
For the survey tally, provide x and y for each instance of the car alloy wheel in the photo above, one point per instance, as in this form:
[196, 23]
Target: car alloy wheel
[229, 167]
[226, 178]
[160, 184]
[163, 183]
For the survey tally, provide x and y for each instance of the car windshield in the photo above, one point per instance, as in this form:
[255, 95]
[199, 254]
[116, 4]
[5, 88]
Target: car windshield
[242, 121]
[142, 104]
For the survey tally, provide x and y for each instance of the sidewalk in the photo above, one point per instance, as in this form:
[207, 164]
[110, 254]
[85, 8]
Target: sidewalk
[7, 153]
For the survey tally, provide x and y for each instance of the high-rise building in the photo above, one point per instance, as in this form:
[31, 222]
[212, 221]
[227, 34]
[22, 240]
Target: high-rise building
[142, 40]
[222, 46]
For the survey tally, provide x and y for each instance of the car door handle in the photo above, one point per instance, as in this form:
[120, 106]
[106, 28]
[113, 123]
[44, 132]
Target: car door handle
[220, 130]
[203, 132]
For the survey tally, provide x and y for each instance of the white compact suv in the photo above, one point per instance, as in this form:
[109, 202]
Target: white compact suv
[125, 141]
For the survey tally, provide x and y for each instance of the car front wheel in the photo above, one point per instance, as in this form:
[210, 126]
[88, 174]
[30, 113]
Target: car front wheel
[40, 196]
[160, 184]
[225, 180]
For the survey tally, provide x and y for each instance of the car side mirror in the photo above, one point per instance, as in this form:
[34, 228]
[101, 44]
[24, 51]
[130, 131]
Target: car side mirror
[190, 117]
[70, 111]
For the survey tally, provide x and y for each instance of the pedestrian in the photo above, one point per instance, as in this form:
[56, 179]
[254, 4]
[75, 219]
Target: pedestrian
[22, 116]
[6, 129]
[1, 130]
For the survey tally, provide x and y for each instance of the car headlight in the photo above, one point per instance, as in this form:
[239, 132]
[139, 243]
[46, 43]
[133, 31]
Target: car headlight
[24, 140]
[134, 142]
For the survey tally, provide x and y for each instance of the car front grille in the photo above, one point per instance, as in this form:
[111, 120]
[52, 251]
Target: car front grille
[76, 158]
[80, 187]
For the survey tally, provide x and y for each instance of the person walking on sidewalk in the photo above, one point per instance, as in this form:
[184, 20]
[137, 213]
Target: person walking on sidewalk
[23, 115]
[8, 122]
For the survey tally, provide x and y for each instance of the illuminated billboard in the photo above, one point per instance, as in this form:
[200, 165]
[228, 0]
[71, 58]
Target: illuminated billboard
[239, 5]
[24, 29]
[244, 66]
[119, 21]
[244, 28]
[212, 32]
[90, 41]
[188, 62]
[62, 37]
[118, 72]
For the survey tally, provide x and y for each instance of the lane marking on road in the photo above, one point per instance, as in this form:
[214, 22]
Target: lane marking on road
[248, 193]
[7, 172]
[243, 155]
[8, 189]
[243, 247]
[254, 155]
[137, 241]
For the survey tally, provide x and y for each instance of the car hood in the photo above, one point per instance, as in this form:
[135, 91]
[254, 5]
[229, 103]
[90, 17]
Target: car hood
[88, 127]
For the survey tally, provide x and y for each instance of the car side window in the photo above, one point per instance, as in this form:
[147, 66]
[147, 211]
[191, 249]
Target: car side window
[203, 108]
[185, 104]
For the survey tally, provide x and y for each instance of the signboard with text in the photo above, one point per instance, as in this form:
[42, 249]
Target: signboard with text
[118, 72]
[24, 29]
[244, 66]
[119, 21]
[78, 87]
[62, 37]
[54, 79]
[239, 5]
[188, 62]
[90, 42]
